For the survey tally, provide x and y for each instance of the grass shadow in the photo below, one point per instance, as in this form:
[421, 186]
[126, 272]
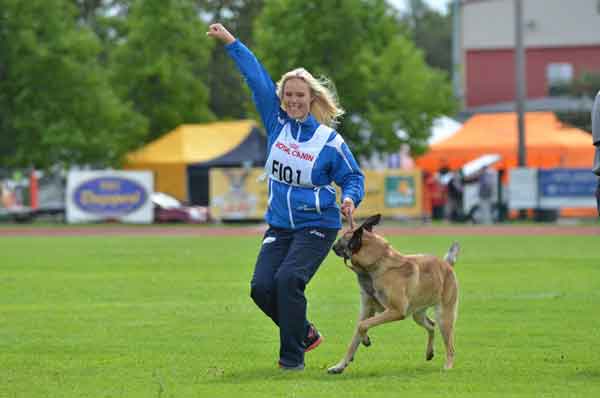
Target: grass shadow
[254, 374]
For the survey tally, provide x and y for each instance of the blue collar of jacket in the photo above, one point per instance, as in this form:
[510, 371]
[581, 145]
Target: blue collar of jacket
[307, 126]
[310, 123]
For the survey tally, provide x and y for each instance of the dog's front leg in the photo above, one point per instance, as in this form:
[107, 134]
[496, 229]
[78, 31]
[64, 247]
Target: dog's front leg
[389, 315]
[367, 309]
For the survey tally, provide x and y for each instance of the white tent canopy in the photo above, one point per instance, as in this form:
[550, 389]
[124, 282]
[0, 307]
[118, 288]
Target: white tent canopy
[443, 127]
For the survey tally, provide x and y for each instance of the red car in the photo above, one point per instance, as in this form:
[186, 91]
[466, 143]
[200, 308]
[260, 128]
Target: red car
[167, 209]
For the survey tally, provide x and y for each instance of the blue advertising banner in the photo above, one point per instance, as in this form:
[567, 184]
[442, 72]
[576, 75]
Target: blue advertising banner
[566, 188]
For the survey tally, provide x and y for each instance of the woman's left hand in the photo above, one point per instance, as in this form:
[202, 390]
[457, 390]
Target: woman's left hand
[347, 208]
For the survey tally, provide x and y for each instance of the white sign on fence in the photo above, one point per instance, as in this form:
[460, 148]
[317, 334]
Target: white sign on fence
[102, 195]
[523, 188]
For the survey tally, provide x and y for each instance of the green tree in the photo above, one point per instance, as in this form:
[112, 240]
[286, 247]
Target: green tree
[161, 65]
[381, 78]
[431, 31]
[107, 19]
[229, 97]
[56, 104]
[405, 96]
[585, 86]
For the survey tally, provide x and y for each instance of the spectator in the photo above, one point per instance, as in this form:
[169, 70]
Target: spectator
[596, 138]
[439, 197]
[428, 181]
[454, 206]
[486, 192]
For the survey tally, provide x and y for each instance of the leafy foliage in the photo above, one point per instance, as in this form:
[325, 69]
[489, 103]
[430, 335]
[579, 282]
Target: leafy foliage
[161, 67]
[229, 96]
[86, 81]
[587, 85]
[56, 103]
[391, 96]
[431, 32]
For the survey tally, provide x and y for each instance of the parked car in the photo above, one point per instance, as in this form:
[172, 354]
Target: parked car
[169, 209]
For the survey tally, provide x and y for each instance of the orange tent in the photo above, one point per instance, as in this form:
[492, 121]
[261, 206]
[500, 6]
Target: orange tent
[549, 143]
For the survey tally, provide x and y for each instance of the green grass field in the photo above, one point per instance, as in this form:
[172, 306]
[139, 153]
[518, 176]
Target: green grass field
[171, 317]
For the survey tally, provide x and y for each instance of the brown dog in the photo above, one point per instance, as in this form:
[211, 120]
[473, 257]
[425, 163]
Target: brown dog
[395, 286]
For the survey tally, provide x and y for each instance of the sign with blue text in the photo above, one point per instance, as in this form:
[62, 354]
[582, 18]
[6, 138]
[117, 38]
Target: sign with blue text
[99, 195]
[566, 188]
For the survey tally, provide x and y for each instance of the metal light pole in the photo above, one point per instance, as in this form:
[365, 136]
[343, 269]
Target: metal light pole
[456, 52]
[520, 87]
[520, 81]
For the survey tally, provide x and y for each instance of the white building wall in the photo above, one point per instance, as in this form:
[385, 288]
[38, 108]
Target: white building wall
[489, 24]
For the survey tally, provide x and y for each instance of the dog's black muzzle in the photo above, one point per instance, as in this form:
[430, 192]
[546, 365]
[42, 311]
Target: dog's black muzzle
[338, 249]
[341, 250]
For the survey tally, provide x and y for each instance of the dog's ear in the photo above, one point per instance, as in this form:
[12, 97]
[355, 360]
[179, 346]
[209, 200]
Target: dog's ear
[355, 243]
[370, 222]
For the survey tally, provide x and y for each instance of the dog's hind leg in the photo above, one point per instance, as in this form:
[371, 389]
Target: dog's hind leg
[446, 315]
[423, 320]
[367, 309]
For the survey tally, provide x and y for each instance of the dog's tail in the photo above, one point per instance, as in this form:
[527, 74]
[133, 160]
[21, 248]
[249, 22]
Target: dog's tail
[452, 254]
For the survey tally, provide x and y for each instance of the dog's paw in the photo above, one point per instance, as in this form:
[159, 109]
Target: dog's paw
[362, 329]
[429, 356]
[366, 341]
[335, 370]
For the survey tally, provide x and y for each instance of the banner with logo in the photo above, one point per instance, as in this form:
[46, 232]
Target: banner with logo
[109, 195]
[237, 193]
[392, 193]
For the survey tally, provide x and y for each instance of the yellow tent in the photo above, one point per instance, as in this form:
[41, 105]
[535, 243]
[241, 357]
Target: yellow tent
[181, 158]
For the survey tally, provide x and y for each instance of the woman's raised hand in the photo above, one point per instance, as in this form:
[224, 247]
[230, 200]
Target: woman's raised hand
[218, 31]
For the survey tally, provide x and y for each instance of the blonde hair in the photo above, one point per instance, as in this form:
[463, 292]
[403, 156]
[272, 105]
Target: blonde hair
[325, 106]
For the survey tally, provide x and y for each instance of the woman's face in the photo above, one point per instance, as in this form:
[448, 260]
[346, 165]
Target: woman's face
[296, 98]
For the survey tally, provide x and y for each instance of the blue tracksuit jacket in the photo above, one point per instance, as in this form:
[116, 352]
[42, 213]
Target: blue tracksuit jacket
[290, 206]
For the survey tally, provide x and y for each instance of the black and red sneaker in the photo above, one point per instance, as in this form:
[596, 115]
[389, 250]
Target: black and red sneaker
[312, 339]
[299, 367]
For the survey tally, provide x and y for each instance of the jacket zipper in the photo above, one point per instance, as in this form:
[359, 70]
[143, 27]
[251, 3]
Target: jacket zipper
[289, 203]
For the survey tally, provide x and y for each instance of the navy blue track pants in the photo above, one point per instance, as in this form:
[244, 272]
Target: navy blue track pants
[287, 261]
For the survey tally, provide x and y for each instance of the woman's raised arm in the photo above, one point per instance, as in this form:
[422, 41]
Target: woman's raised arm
[258, 79]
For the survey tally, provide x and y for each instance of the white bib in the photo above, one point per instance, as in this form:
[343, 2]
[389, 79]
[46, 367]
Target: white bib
[292, 162]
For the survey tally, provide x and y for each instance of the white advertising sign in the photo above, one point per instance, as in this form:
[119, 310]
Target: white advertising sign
[523, 188]
[110, 195]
